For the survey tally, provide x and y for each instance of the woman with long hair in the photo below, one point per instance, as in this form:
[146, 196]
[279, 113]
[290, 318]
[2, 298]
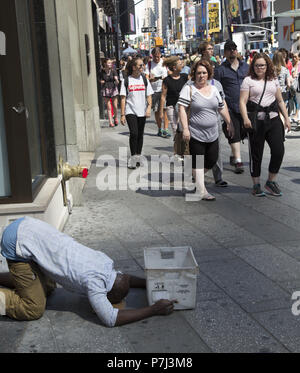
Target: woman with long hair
[282, 74]
[171, 88]
[287, 61]
[200, 127]
[136, 103]
[261, 94]
[109, 87]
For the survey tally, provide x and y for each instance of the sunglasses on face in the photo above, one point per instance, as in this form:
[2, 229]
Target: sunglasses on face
[260, 66]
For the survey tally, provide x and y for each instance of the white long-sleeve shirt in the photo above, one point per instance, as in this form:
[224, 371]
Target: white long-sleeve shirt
[74, 266]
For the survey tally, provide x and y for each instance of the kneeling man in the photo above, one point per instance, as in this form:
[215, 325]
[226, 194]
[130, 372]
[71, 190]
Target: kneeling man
[38, 256]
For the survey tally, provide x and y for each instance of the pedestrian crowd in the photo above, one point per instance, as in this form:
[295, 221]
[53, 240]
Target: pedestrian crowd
[195, 98]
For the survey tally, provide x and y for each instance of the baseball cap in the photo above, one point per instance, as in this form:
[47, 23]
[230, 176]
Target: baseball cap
[230, 45]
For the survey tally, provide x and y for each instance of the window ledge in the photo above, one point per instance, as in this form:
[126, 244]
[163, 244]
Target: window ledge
[40, 203]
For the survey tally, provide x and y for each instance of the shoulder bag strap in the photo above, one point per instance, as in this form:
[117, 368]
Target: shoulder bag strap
[263, 92]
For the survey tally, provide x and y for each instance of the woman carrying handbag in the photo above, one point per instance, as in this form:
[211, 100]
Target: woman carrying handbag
[261, 99]
[200, 126]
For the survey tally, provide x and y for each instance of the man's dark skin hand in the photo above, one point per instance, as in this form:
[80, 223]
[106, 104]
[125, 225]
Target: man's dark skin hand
[162, 307]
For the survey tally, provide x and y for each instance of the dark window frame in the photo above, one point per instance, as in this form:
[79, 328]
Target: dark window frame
[22, 188]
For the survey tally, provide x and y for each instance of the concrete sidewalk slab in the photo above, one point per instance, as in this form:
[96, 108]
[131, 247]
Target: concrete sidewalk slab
[247, 250]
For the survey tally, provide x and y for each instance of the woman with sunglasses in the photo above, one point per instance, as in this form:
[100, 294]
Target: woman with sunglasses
[260, 92]
[136, 103]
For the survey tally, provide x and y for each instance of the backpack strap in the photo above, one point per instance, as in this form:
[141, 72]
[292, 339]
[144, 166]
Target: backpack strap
[126, 83]
[145, 84]
[145, 80]
[149, 66]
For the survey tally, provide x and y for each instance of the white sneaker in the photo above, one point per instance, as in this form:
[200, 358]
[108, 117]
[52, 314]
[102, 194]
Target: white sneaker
[131, 163]
[179, 158]
[137, 160]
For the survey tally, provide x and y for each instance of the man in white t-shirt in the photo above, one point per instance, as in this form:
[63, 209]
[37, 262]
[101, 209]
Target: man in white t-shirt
[156, 72]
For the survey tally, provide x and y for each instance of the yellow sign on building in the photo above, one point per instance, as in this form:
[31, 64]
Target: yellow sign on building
[158, 41]
[213, 17]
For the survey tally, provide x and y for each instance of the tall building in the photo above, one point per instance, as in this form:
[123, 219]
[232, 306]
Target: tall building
[151, 13]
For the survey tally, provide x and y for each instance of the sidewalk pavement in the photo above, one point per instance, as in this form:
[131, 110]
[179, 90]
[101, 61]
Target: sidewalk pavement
[247, 250]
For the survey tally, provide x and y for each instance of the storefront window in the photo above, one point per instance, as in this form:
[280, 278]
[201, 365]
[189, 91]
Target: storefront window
[29, 77]
[34, 138]
[5, 190]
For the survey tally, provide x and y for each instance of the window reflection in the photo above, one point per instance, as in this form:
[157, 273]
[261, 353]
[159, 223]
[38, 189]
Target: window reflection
[5, 190]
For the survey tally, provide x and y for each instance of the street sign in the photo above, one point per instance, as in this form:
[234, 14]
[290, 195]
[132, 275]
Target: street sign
[149, 29]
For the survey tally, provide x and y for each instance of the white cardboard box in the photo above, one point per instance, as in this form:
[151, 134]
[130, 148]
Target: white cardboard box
[171, 273]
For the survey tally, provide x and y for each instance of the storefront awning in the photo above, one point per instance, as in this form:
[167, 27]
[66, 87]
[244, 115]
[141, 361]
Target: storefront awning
[289, 13]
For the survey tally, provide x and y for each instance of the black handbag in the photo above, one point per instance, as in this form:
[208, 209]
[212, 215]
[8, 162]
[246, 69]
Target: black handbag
[252, 115]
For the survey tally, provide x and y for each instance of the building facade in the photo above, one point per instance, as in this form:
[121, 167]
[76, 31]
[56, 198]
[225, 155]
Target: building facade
[48, 106]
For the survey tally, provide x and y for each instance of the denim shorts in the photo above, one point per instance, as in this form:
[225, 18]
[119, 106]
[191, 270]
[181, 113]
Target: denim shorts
[9, 241]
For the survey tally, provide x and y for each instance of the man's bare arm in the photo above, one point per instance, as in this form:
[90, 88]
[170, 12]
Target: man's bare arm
[162, 307]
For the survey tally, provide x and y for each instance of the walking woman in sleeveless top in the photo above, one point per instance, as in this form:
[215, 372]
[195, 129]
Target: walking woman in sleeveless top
[260, 92]
[200, 127]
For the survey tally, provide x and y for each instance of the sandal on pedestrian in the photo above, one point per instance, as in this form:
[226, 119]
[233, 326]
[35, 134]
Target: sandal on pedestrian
[111, 125]
[116, 122]
[208, 197]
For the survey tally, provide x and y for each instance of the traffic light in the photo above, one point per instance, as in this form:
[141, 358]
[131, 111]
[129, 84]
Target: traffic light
[272, 39]
[232, 28]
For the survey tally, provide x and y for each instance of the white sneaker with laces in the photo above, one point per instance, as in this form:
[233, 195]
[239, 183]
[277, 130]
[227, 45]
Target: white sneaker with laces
[132, 162]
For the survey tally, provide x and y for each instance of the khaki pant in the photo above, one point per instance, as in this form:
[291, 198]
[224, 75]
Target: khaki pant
[27, 301]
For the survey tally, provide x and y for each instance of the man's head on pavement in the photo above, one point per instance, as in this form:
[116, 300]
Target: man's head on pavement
[156, 54]
[230, 51]
[120, 289]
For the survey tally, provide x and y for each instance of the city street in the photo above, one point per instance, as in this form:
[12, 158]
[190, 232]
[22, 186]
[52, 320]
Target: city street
[247, 250]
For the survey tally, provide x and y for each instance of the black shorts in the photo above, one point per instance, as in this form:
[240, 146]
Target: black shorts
[210, 151]
[238, 124]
